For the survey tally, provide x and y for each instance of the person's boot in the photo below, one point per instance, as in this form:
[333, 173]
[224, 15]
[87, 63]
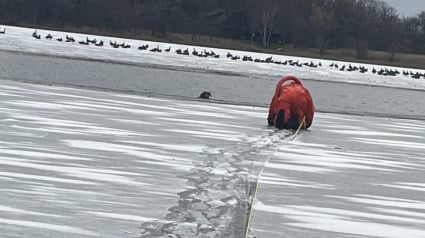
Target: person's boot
[280, 119]
[293, 122]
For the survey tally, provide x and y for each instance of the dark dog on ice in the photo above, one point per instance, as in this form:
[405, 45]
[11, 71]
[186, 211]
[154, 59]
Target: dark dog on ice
[205, 95]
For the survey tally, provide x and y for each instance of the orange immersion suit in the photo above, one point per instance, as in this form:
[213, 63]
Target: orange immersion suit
[291, 105]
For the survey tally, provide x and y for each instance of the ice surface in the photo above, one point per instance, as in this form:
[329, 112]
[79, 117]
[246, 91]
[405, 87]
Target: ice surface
[79, 163]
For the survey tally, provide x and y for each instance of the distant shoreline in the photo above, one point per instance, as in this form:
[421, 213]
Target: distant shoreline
[374, 57]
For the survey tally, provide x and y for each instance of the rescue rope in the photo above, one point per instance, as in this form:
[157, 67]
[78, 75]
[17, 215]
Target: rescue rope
[251, 209]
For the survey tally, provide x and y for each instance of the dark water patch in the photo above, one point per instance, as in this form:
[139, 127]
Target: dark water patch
[171, 81]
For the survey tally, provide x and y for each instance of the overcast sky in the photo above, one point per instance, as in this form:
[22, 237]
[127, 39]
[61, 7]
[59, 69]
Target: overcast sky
[407, 8]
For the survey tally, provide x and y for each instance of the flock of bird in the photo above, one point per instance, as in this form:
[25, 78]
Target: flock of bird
[209, 53]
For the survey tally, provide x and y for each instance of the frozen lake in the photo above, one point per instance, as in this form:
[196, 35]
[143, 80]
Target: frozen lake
[126, 149]
[236, 88]
[347, 177]
[80, 163]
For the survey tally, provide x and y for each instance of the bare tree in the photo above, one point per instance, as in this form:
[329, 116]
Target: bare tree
[235, 24]
[264, 14]
[364, 25]
[355, 24]
[323, 19]
[389, 24]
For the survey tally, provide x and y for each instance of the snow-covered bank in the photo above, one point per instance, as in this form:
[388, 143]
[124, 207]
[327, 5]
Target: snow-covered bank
[20, 39]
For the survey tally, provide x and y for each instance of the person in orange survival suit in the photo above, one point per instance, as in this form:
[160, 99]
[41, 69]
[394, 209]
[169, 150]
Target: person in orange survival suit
[291, 106]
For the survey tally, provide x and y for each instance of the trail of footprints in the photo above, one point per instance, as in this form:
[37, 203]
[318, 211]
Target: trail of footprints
[218, 193]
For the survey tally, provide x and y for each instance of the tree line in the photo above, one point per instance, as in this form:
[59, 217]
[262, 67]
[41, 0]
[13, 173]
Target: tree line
[362, 25]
